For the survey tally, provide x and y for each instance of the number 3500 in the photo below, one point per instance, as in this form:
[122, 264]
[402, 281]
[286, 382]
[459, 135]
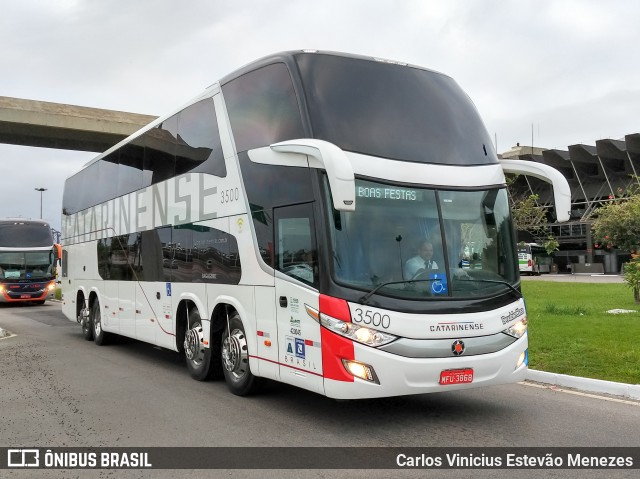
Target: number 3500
[373, 318]
[227, 196]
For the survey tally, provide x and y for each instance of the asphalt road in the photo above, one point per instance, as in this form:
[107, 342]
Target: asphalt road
[56, 389]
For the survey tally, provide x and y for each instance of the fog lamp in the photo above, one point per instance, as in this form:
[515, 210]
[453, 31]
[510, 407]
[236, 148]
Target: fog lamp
[523, 359]
[360, 370]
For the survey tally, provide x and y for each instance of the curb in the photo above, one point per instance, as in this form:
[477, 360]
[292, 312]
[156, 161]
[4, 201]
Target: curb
[3, 333]
[630, 391]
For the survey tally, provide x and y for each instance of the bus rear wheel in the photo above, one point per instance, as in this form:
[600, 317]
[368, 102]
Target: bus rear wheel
[235, 359]
[85, 322]
[99, 336]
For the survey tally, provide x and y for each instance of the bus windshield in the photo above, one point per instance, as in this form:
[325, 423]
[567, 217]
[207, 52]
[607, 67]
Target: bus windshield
[423, 243]
[27, 265]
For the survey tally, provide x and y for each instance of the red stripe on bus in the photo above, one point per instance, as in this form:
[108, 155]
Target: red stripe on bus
[334, 349]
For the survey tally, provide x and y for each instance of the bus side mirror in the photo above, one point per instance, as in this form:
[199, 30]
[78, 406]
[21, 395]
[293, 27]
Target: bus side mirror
[58, 248]
[561, 190]
[311, 153]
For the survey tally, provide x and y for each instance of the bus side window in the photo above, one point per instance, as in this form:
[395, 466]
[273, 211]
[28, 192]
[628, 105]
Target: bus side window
[296, 251]
[104, 258]
[160, 151]
[182, 253]
[150, 256]
[131, 166]
[65, 263]
[263, 108]
[199, 149]
[268, 186]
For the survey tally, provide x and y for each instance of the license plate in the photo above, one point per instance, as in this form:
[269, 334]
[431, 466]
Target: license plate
[456, 376]
[25, 296]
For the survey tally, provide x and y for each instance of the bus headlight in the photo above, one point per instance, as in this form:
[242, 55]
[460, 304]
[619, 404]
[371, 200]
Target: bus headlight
[517, 330]
[355, 332]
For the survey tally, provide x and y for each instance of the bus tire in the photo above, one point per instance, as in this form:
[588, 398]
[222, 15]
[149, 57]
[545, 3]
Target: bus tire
[235, 359]
[99, 335]
[202, 363]
[87, 328]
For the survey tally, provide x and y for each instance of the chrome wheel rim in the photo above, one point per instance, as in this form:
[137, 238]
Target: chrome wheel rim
[194, 344]
[235, 356]
[86, 325]
[97, 324]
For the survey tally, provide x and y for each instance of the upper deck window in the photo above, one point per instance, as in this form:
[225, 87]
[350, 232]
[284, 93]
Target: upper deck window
[393, 111]
[263, 108]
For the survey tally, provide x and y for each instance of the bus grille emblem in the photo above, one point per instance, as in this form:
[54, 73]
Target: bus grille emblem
[457, 347]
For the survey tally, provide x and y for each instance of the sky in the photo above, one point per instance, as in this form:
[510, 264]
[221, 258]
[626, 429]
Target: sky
[551, 72]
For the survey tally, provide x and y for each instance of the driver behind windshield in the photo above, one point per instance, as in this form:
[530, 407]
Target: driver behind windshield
[423, 261]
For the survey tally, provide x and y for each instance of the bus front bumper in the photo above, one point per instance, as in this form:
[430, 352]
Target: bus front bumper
[8, 296]
[398, 375]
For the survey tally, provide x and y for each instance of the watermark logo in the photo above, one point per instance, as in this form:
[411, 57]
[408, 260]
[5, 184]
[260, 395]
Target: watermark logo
[23, 458]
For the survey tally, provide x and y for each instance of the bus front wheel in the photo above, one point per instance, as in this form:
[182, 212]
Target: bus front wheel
[201, 362]
[235, 359]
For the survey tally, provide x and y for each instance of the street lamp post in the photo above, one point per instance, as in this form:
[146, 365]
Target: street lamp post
[41, 190]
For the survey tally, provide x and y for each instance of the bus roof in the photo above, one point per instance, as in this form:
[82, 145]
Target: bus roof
[13, 221]
[287, 57]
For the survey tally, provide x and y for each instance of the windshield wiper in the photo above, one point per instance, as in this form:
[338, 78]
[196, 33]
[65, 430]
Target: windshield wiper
[365, 298]
[496, 281]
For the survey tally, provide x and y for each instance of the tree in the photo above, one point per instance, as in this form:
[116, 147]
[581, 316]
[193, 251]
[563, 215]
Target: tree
[551, 245]
[528, 216]
[631, 271]
[617, 224]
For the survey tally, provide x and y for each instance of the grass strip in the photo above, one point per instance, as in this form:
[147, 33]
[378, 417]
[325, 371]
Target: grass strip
[570, 331]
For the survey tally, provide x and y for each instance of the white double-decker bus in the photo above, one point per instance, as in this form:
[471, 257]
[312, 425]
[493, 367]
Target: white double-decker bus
[335, 222]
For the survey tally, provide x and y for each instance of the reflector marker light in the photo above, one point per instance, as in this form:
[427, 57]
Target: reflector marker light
[314, 313]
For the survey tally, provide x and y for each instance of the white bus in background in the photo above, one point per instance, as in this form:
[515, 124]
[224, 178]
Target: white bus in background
[533, 259]
[263, 231]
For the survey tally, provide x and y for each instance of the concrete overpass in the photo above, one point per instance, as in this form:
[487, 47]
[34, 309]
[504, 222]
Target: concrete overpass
[67, 127]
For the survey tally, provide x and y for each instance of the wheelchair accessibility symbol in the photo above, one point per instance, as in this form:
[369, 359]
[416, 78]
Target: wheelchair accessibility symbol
[438, 284]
